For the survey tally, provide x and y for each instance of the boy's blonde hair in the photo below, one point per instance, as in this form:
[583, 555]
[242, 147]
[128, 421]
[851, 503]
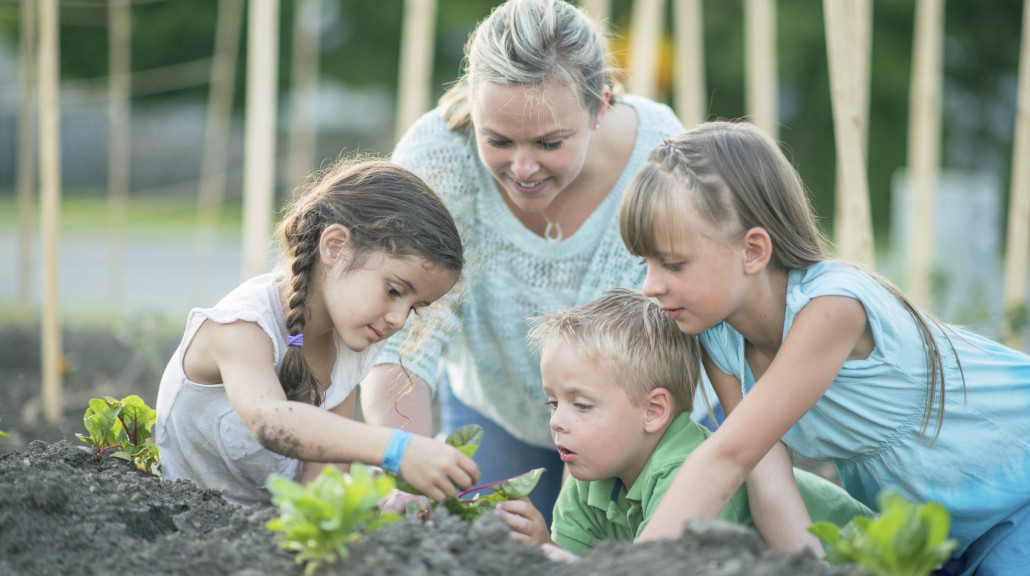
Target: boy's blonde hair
[627, 334]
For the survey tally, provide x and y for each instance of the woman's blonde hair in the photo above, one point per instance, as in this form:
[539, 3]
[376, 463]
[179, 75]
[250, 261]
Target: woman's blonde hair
[628, 335]
[738, 178]
[527, 43]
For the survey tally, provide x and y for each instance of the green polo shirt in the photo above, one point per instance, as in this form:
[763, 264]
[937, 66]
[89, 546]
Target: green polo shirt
[588, 512]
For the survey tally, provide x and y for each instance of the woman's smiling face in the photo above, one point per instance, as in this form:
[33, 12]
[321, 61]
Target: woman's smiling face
[533, 139]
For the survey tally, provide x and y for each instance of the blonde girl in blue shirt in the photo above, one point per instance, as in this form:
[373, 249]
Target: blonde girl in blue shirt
[824, 357]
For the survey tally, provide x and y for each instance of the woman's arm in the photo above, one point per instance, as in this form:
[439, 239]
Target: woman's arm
[822, 337]
[304, 431]
[394, 398]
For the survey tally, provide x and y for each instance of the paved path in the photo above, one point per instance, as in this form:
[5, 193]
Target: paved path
[161, 274]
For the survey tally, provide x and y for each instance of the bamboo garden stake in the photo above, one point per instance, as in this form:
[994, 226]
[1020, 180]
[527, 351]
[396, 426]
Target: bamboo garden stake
[924, 142]
[260, 131]
[1016, 255]
[645, 42]
[760, 65]
[50, 196]
[26, 175]
[855, 233]
[416, 65]
[689, 59]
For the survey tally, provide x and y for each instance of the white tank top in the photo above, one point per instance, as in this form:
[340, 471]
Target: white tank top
[198, 432]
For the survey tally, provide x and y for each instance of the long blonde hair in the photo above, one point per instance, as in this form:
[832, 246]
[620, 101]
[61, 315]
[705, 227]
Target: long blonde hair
[738, 179]
[526, 43]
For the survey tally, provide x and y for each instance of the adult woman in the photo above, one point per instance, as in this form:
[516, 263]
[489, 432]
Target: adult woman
[531, 152]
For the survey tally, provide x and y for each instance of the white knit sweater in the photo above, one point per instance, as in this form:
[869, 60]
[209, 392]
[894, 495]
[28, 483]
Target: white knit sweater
[512, 274]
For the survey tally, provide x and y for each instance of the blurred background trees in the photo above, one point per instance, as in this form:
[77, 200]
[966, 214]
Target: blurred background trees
[359, 43]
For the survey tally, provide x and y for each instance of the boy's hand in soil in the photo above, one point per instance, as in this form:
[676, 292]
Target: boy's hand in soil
[556, 553]
[436, 469]
[397, 501]
[526, 522]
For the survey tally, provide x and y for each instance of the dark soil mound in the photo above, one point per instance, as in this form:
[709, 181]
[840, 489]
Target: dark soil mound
[64, 512]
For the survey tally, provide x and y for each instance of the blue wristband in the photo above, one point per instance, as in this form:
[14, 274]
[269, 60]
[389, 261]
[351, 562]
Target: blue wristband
[395, 450]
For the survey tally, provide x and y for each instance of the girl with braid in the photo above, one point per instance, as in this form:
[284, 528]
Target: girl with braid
[265, 381]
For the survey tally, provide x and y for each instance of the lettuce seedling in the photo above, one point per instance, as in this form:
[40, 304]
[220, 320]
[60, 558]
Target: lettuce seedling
[319, 521]
[123, 428]
[470, 503]
[906, 539]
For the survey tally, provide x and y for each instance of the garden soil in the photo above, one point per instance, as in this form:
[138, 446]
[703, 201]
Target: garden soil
[64, 512]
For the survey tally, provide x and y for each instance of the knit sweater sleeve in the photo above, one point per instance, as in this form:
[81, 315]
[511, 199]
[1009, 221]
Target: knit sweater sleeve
[447, 162]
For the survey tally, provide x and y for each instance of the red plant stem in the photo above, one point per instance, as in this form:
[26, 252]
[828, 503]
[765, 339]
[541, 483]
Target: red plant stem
[475, 488]
[130, 431]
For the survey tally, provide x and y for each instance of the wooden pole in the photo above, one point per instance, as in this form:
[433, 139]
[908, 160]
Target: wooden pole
[216, 142]
[119, 54]
[760, 64]
[860, 18]
[260, 132]
[1016, 252]
[645, 37]
[855, 232]
[691, 103]
[303, 134]
[26, 178]
[924, 142]
[416, 65]
[50, 195]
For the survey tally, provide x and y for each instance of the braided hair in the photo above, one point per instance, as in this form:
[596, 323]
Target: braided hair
[387, 209]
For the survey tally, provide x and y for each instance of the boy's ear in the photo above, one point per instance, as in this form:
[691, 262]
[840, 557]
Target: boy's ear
[659, 407]
[757, 249]
[333, 244]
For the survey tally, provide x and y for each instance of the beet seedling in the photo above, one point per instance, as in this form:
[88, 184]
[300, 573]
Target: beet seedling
[472, 502]
[906, 539]
[319, 521]
[121, 427]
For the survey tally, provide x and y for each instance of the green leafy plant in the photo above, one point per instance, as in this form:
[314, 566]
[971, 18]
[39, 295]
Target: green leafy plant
[319, 521]
[4, 434]
[121, 427]
[473, 502]
[906, 539]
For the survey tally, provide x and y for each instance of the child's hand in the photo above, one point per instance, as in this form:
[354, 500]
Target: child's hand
[526, 522]
[436, 469]
[397, 501]
[556, 553]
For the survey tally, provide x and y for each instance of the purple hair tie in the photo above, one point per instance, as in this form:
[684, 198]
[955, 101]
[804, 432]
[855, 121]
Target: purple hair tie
[295, 340]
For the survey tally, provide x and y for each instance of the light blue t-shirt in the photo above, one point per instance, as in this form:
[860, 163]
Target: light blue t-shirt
[512, 274]
[868, 422]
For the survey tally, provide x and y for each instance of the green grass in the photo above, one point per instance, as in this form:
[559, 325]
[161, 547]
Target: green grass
[86, 212]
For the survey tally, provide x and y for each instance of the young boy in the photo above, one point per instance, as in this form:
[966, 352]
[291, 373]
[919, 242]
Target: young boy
[620, 379]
